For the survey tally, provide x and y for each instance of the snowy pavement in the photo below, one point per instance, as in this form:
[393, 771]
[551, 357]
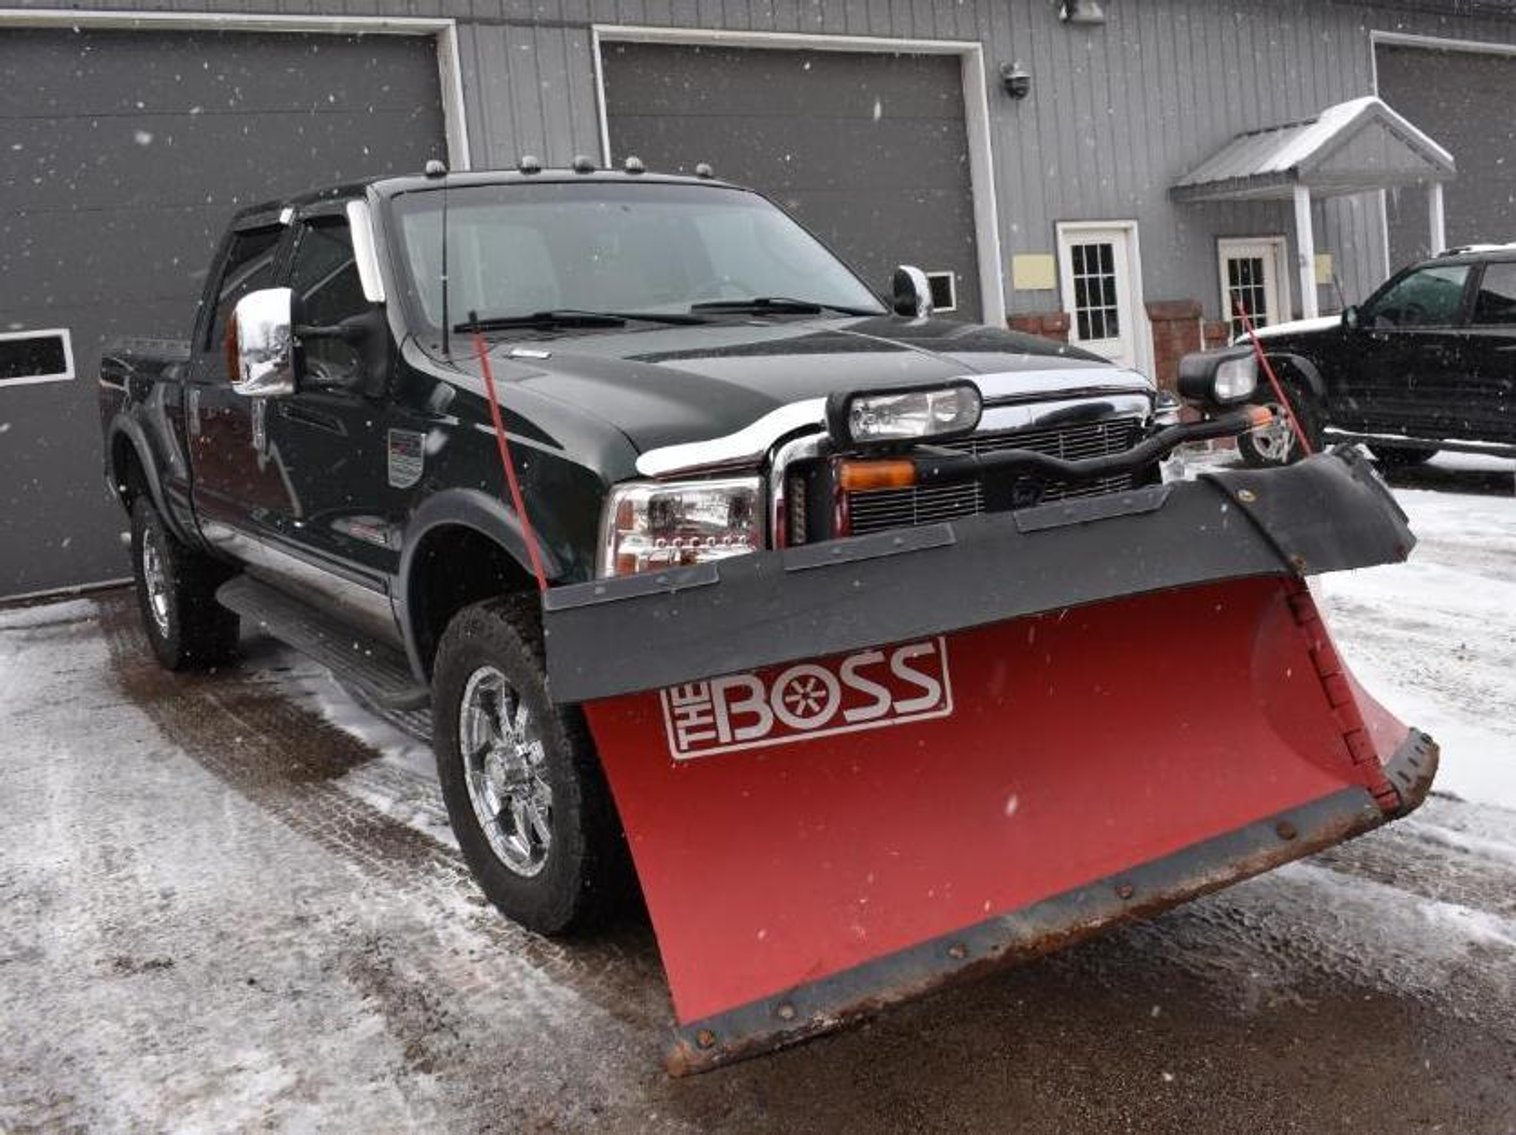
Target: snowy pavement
[231, 902]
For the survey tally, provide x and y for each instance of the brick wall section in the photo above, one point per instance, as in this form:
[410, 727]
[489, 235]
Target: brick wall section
[1218, 333]
[1176, 332]
[1045, 324]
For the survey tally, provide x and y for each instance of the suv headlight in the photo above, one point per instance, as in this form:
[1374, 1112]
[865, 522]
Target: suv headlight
[649, 525]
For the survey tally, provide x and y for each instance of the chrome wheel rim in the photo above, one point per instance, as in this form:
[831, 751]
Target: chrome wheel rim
[1275, 442]
[505, 768]
[155, 579]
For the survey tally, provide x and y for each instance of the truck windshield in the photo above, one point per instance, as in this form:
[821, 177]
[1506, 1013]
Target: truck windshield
[515, 250]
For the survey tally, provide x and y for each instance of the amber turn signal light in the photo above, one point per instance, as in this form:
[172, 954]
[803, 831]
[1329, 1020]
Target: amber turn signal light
[867, 476]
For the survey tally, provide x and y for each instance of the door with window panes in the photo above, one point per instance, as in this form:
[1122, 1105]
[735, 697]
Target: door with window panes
[1100, 290]
[1250, 277]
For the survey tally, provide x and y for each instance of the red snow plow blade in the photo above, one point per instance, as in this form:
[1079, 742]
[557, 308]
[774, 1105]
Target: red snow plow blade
[826, 833]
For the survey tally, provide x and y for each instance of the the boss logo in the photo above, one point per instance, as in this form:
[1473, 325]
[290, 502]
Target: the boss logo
[871, 689]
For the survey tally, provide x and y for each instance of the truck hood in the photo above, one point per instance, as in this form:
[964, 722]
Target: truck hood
[667, 386]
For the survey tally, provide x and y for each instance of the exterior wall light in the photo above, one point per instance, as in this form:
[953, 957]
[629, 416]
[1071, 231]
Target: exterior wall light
[1016, 80]
[1081, 12]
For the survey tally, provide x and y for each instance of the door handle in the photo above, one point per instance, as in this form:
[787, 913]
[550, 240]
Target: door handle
[315, 418]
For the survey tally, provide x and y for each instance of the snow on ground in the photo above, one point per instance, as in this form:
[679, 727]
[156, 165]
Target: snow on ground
[219, 915]
[1434, 639]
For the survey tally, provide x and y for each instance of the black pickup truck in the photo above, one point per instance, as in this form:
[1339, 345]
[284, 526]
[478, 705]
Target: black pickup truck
[512, 446]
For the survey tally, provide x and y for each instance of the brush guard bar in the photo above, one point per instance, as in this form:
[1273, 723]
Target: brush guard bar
[1329, 513]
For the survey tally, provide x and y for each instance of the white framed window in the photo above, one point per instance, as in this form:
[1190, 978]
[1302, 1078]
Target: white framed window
[36, 356]
[944, 287]
[1254, 272]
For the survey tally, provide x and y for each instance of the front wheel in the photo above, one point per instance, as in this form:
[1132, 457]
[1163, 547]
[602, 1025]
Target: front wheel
[176, 591]
[520, 776]
[1276, 443]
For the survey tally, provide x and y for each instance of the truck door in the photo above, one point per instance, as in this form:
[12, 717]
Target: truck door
[1483, 406]
[231, 481]
[335, 533]
[1410, 352]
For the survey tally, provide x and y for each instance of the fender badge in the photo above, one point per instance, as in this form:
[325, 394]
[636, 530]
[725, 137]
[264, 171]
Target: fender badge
[407, 457]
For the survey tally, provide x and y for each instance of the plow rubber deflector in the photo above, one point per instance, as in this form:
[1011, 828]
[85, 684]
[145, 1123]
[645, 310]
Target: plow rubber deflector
[820, 838]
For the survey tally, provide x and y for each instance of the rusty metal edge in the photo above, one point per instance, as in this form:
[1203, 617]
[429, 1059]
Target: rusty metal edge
[834, 1002]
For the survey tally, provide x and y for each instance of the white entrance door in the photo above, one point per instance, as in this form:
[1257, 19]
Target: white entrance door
[1252, 274]
[1102, 290]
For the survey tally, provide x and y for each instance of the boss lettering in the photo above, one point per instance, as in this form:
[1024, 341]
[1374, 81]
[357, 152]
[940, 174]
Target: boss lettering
[870, 689]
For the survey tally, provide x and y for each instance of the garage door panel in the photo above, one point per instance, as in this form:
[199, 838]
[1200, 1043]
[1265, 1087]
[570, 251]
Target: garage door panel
[106, 73]
[1459, 98]
[110, 212]
[71, 258]
[865, 88]
[916, 153]
[137, 162]
[869, 151]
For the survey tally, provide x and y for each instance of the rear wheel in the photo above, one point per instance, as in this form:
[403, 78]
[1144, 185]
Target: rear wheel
[1402, 456]
[1276, 443]
[520, 776]
[176, 591]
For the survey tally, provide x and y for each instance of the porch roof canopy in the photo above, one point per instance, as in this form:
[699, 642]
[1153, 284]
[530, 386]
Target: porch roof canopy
[1353, 147]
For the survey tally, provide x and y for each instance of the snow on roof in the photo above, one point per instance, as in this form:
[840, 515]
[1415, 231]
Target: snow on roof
[1347, 148]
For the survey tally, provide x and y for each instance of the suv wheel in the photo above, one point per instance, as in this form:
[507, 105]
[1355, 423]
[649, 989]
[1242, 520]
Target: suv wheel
[1276, 444]
[176, 591]
[1402, 456]
[520, 776]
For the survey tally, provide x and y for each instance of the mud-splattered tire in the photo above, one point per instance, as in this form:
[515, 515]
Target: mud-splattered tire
[1276, 444]
[176, 591]
[522, 782]
[1402, 456]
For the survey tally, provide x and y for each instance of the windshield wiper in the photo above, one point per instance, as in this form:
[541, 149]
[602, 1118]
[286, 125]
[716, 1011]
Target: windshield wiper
[782, 305]
[574, 317]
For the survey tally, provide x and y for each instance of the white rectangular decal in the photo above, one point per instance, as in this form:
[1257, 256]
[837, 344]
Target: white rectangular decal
[870, 689]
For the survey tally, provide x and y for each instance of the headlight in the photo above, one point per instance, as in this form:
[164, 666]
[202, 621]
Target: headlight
[918, 413]
[1235, 380]
[1222, 378]
[649, 525]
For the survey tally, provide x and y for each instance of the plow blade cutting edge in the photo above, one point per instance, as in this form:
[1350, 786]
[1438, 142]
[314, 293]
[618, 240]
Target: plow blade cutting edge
[852, 772]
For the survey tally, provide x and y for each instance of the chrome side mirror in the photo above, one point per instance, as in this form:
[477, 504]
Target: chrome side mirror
[260, 354]
[1350, 318]
[910, 292]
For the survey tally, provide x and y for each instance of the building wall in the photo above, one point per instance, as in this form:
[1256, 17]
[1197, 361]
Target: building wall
[1116, 113]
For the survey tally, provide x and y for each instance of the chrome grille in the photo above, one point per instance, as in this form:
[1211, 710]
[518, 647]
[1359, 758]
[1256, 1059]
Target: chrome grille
[909, 508]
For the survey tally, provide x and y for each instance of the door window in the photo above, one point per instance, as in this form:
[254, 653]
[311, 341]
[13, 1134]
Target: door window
[1427, 297]
[249, 266]
[1096, 312]
[1495, 302]
[324, 278]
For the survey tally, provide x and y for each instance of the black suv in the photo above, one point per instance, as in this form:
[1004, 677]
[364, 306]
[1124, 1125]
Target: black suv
[1427, 362]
